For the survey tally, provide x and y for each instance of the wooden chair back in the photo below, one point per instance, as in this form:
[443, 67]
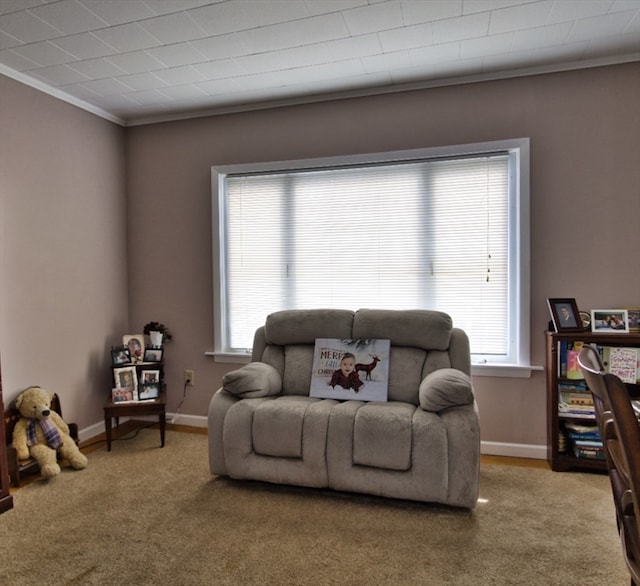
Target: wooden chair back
[620, 431]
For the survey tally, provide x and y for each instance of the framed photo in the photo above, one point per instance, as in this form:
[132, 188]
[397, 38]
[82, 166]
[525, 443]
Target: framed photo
[122, 395]
[148, 391]
[120, 355]
[610, 320]
[153, 354]
[135, 343]
[634, 319]
[125, 378]
[149, 377]
[565, 315]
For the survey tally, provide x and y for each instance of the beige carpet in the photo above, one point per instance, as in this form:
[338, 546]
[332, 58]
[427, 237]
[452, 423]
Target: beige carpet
[145, 515]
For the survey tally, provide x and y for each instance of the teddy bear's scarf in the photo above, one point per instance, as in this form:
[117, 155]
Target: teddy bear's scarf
[51, 434]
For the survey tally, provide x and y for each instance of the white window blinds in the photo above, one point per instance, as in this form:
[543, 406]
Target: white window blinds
[430, 234]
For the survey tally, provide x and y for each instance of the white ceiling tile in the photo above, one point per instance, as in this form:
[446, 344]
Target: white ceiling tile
[353, 47]
[475, 6]
[286, 59]
[177, 54]
[435, 54]
[115, 12]
[492, 45]
[221, 69]
[458, 29]
[142, 81]
[565, 10]
[375, 17]
[168, 6]
[419, 35]
[520, 17]
[84, 46]
[317, 7]
[7, 41]
[180, 92]
[59, 75]
[135, 62]
[386, 62]
[222, 47]
[294, 34]
[107, 87]
[535, 38]
[7, 6]
[97, 68]
[44, 54]
[608, 24]
[69, 17]
[173, 28]
[27, 28]
[420, 12]
[11, 59]
[180, 75]
[127, 37]
[226, 17]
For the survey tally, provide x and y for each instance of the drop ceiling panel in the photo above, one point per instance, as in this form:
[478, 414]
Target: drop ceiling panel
[137, 61]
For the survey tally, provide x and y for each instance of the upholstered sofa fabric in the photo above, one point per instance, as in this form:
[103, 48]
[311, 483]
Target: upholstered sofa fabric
[422, 444]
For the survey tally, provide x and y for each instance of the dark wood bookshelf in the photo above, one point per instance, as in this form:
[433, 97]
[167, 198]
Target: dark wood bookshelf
[562, 461]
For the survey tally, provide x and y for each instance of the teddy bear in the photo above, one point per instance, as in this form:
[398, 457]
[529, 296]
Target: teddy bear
[42, 434]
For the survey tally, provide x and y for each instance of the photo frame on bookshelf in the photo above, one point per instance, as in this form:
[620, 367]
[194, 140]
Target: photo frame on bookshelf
[120, 355]
[565, 315]
[610, 321]
[125, 378]
[634, 319]
[153, 354]
[148, 391]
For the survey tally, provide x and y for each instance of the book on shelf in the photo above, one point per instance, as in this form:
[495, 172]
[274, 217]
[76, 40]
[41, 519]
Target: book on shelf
[589, 453]
[623, 362]
[568, 366]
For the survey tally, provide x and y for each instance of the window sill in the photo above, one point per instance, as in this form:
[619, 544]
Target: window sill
[497, 370]
[504, 370]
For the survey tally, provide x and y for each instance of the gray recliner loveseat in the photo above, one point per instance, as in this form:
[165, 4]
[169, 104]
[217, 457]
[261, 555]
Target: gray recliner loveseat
[422, 444]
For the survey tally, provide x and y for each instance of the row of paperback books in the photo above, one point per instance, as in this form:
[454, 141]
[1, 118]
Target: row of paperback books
[585, 441]
[622, 361]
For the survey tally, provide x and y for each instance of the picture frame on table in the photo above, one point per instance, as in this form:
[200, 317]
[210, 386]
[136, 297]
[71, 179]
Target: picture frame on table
[120, 355]
[565, 315]
[611, 321]
[136, 344]
[148, 391]
[153, 354]
[126, 378]
[634, 319]
[122, 395]
[148, 376]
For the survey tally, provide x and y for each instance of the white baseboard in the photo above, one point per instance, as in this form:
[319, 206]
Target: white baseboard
[190, 420]
[536, 452]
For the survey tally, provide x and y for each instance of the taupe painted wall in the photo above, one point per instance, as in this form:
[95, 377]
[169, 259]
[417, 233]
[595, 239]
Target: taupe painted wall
[585, 204]
[63, 261]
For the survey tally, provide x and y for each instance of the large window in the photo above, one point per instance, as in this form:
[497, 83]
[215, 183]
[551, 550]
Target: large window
[437, 229]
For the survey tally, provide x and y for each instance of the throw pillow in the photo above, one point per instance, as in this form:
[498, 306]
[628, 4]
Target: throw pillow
[256, 379]
[443, 388]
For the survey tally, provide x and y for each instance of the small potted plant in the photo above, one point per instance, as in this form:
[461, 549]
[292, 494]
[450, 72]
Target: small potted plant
[158, 333]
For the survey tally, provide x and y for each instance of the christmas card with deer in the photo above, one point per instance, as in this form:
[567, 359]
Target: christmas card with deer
[350, 369]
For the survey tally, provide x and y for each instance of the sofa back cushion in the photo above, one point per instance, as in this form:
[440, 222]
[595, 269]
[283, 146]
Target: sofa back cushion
[420, 343]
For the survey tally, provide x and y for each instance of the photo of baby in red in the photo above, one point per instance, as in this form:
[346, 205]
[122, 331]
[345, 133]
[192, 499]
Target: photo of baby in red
[347, 376]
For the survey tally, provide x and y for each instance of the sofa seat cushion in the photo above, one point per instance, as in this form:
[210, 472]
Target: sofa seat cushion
[254, 445]
[382, 435]
[277, 427]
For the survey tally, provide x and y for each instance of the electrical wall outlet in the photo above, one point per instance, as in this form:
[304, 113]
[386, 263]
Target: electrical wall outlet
[189, 378]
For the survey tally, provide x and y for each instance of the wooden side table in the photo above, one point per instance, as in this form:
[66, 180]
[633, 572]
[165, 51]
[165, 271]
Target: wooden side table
[116, 410]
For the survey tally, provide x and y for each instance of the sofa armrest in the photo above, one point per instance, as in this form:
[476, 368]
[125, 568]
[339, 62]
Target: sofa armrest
[256, 379]
[444, 388]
